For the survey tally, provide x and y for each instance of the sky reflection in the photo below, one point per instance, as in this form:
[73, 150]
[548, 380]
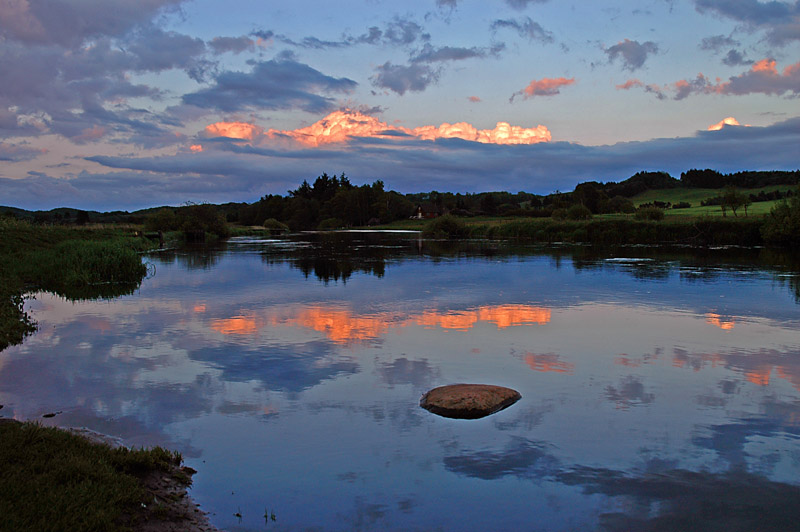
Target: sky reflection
[300, 392]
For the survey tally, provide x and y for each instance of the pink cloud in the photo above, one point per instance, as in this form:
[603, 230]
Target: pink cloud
[544, 87]
[474, 99]
[763, 77]
[630, 84]
[725, 122]
[341, 126]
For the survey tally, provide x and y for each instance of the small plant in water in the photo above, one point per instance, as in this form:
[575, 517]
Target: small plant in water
[238, 514]
[269, 515]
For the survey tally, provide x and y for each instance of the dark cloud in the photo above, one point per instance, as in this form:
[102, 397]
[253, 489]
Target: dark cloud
[678, 499]
[68, 23]
[404, 371]
[67, 67]
[402, 78]
[522, 4]
[281, 368]
[735, 58]
[275, 84]
[430, 54]
[629, 392]
[229, 171]
[403, 31]
[526, 28]
[717, 42]
[633, 53]
[522, 458]
[17, 152]
[235, 45]
[780, 20]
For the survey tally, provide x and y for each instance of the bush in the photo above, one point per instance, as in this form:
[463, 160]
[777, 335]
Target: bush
[275, 226]
[446, 227]
[649, 213]
[782, 224]
[578, 212]
[559, 214]
[330, 223]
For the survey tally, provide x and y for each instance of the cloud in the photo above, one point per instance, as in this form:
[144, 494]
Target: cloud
[69, 23]
[526, 28]
[341, 127]
[474, 99]
[275, 84]
[543, 87]
[779, 20]
[235, 45]
[717, 42]
[17, 152]
[633, 53]
[236, 170]
[430, 54]
[729, 121]
[403, 78]
[735, 58]
[762, 78]
[522, 4]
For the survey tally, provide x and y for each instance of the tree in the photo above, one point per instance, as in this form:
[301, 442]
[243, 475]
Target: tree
[782, 224]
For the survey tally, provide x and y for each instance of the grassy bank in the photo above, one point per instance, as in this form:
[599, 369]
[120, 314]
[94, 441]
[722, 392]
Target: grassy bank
[76, 263]
[611, 230]
[51, 479]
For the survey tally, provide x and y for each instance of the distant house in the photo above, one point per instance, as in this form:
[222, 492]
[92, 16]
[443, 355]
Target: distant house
[429, 210]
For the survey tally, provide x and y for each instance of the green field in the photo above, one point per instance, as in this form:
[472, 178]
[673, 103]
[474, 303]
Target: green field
[695, 195]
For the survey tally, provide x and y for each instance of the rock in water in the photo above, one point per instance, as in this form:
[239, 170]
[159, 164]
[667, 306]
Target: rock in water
[468, 401]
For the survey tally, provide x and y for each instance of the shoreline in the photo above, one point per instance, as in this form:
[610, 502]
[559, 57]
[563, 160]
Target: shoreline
[172, 508]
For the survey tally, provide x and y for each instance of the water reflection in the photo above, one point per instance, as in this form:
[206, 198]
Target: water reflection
[650, 387]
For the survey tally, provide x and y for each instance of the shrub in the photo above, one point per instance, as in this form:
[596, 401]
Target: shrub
[559, 214]
[275, 226]
[578, 212]
[649, 213]
[330, 223]
[782, 224]
[446, 227]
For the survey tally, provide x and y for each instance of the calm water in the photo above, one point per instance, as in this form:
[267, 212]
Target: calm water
[657, 389]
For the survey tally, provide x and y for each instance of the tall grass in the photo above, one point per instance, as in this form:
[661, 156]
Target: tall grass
[51, 479]
[73, 263]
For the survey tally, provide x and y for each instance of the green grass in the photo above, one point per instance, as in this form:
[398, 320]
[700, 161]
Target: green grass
[51, 479]
[76, 263]
[696, 195]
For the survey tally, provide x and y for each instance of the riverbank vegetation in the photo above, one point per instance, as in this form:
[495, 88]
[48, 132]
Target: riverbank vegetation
[55, 480]
[702, 207]
[71, 261]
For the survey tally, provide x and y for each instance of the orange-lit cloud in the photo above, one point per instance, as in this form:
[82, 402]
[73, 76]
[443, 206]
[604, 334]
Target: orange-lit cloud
[234, 130]
[722, 323]
[196, 148]
[239, 325]
[548, 363]
[544, 87]
[341, 126]
[502, 316]
[474, 99]
[341, 325]
[630, 84]
[767, 66]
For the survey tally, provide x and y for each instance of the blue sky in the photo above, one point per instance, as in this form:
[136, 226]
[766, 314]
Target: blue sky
[121, 104]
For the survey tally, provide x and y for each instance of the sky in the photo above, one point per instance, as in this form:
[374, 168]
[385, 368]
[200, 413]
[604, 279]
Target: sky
[127, 104]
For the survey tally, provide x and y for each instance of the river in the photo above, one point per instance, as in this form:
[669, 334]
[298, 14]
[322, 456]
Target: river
[660, 388]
